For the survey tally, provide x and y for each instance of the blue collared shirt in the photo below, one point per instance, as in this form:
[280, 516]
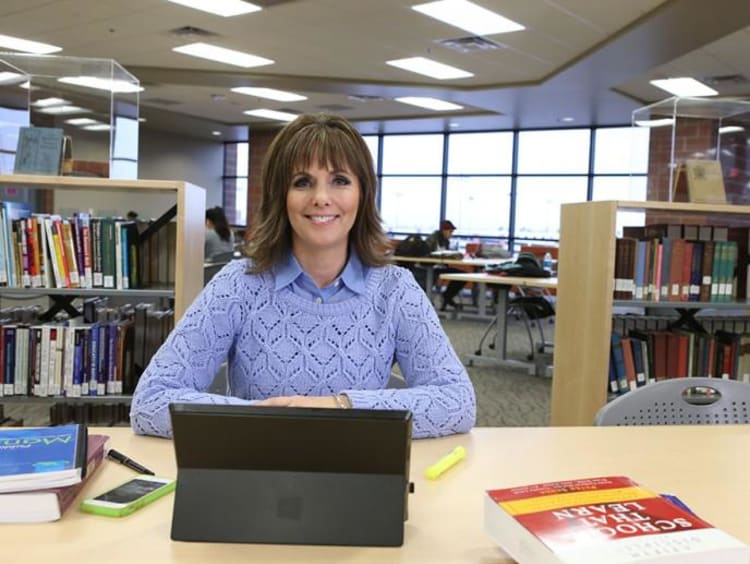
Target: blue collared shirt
[349, 283]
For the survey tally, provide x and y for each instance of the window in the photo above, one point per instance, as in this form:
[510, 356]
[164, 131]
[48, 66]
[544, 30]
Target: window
[632, 188]
[413, 154]
[410, 204]
[563, 151]
[538, 201]
[621, 150]
[479, 205]
[480, 153]
[235, 182]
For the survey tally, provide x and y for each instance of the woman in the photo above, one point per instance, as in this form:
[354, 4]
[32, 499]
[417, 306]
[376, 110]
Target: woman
[316, 316]
[219, 238]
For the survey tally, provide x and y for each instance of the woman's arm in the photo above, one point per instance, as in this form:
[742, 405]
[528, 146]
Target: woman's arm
[185, 365]
[439, 393]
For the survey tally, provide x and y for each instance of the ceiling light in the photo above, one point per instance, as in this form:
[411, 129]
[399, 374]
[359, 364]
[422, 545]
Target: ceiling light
[64, 110]
[81, 121]
[47, 102]
[468, 16]
[226, 8]
[429, 103]
[454, 124]
[8, 77]
[567, 119]
[271, 114]
[270, 93]
[26, 85]
[731, 129]
[428, 67]
[109, 84]
[97, 127]
[27, 46]
[216, 133]
[654, 122]
[142, 119]
[684, 86]
[222, 55]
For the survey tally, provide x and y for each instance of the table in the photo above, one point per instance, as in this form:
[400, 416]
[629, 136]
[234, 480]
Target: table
[429, 263]
[706, 466]
[503, 284]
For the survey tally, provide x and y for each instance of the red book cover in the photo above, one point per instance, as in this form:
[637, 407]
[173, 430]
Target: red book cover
[610, 520]
[37, 506]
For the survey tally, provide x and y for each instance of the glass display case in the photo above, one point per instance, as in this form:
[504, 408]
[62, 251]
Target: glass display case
[695, 138]
[94, 101]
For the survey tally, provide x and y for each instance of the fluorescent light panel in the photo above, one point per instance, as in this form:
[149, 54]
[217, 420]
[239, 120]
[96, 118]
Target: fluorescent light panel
[222, 55]
[659, 122]
[60, 110]
[731, 129]
[9, 77]
[428, 67]
[110, 85]
[270, 93]
[271, 114]
[97, 127]
[47, 102]
[429, 103]
[468, 16]
[684, 86]
[81, 121]
[26, 46]
[226, 8]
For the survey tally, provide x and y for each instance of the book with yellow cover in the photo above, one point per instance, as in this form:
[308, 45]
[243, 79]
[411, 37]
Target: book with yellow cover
[610, 520]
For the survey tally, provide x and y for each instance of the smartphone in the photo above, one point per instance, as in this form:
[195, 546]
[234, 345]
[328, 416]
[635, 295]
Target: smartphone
[127, 497]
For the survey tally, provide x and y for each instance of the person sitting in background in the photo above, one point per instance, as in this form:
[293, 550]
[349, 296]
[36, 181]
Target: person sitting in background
[440, 240]
[219, 237]
[315, 315]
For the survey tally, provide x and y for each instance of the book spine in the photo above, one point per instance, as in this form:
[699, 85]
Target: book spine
[10, 360]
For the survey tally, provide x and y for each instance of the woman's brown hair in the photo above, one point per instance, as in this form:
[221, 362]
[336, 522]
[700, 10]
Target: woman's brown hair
[333, 142]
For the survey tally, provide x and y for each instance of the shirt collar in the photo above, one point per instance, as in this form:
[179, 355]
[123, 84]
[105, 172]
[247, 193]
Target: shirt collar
[288, 270]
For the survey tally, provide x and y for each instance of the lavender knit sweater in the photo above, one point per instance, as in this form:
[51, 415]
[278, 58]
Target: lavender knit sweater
[278, 343]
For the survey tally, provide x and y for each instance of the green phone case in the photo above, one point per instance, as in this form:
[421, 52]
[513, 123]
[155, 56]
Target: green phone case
[131, 507]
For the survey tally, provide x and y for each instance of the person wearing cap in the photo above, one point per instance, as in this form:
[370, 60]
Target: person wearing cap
[440, 240]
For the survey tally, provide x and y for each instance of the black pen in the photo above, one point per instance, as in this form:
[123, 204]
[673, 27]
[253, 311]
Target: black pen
[120, 458]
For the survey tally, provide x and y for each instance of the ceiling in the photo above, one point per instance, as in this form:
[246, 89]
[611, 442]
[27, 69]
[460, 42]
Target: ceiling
[589, 60]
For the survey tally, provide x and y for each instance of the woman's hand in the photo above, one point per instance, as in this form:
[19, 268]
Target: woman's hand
[300, 401]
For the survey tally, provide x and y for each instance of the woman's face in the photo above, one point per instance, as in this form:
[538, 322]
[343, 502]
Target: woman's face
[322, 206]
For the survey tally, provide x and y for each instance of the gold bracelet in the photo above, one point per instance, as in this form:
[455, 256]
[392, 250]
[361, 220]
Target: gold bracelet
[343, 401]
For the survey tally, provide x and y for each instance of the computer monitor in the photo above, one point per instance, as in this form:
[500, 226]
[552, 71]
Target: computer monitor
[290, 475]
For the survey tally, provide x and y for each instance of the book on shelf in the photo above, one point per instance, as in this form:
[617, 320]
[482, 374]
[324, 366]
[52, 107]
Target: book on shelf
[39, 151]
[49, 504]
[42, 457]
[609, 519]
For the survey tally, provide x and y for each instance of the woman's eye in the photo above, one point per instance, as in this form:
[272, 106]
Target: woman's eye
[342, 181]
[301, 182]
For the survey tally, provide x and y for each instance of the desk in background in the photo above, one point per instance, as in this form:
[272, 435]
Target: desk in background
[445, 516]
[503, 284]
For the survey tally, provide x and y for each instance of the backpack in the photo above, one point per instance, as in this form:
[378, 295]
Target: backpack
[412, 246]
[525, 265]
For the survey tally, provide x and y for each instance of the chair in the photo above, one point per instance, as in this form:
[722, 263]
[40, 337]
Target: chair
[216, 263]
[680, 401]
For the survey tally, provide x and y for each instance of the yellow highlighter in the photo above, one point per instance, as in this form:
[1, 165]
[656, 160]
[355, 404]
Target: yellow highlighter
[448, 461]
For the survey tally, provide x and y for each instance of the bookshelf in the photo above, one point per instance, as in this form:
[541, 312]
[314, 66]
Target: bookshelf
[77, 193]
[585, 295]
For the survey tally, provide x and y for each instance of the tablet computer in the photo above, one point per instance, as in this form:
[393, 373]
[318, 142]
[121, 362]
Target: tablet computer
[290, 475]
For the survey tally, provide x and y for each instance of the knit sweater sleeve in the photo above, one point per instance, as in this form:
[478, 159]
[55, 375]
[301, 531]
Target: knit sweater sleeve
[439, 393]
[184, 366]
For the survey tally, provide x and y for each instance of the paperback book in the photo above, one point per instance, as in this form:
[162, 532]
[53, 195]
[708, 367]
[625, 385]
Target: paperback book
[33, 458]
[608, 519]
[50, 504]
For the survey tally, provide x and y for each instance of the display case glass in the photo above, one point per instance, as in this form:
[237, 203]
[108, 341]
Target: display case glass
[695, 138]
[94, 101]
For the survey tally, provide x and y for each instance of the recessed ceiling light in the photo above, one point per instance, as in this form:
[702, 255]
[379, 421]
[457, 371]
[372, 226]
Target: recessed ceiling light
[454, 124]
[26, 46]
[47, 102]
[216, 133]
[111, 85]
[429, 103]
[684, 86]
[222, 55]
[226, 8]
[64, 110]
[654, 122]
[271, 114]
[10, 77]
[97, 127]
[428, 67]
[270, 93]
[567, 119]
[81, 121]
[468, 16]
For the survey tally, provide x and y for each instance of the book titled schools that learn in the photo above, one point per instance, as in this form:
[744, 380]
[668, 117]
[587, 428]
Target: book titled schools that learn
[607, 520]
[50, 504]
[32, 458]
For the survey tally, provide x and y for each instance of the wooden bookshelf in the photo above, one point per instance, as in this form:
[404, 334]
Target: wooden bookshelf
[585, 295]
[76, 192]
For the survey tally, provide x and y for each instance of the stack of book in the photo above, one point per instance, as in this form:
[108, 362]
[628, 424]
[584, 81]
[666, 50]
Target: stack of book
[42, 470]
